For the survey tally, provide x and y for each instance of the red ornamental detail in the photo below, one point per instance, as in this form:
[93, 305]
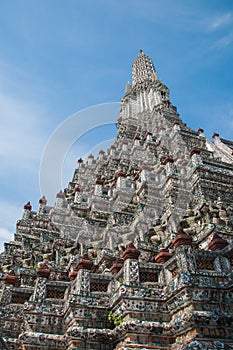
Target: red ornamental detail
[117, 265]
[61, 195]
[176, 123]
[43, 271]
[120, 174]
[182, 238]
[43, 200]
[149, 133]
[215, 134]
[91, 156]
[77, 188]
[10, 278]
[217, 242]
[99, 182]
[168, 160]
[80, 161]
[131, 252]
[163, 256]
[28, 206]
[85, 263]
[72, 275]
[113, 184]
[195, 150]
[200, 130]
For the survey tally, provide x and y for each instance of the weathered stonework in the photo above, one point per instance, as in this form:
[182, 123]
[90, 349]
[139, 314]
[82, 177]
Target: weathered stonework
[137, 252]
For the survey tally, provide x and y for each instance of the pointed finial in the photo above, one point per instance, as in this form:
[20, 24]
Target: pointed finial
[128, 87]
[143, 70]
[43, 200]
[28, 206]
[154, 75]
[61, 195]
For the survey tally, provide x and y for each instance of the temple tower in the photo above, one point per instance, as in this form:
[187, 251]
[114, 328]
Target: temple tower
[137, 252]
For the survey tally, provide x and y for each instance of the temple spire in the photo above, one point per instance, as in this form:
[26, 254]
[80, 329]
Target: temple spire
[143, 69]
[128, 87]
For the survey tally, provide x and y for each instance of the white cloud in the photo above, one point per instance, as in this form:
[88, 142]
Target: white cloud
[220, 21]
[23, 117]
[10, 213]
[20, 132]
[5, 234]
[224, 41]
[220, 29]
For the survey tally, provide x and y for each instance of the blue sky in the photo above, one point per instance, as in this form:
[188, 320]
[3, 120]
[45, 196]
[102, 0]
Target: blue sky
[60, 56]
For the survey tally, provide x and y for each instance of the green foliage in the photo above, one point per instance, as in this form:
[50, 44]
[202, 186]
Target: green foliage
[117, 320]
[121, 281]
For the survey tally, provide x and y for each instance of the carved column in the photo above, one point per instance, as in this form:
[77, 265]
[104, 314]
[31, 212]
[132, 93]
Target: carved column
[27, 211]
[131, 265]
[43, 273]
[82, 282]
[184, 252]
[121, 179]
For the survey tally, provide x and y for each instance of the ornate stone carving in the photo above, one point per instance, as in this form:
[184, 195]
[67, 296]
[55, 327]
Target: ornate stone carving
[117, 276]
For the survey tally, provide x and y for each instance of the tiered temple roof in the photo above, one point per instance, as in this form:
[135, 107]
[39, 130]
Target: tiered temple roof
[137, 251]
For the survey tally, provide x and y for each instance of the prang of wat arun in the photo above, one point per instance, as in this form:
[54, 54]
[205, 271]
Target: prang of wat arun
[137, 251]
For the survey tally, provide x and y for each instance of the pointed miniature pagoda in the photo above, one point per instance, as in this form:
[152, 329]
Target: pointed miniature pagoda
[137, 251]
